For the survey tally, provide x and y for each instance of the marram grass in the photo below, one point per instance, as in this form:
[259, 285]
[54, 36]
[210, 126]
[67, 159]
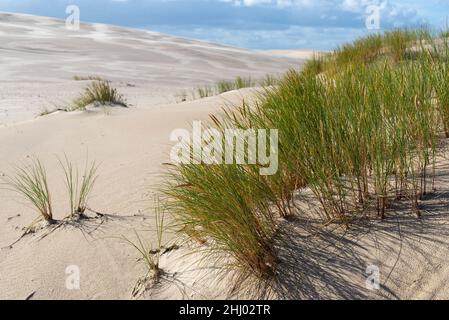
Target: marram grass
[30, 181]
[360, 127]
[98, 92]
[239, 82]
[150, 255]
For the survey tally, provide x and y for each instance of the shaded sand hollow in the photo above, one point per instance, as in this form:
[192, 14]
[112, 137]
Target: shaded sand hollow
[38, 61]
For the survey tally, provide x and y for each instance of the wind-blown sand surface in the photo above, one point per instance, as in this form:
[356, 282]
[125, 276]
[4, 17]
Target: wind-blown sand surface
[39, 59]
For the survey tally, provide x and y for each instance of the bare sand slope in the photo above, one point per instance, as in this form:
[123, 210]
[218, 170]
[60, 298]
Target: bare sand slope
[39, 58]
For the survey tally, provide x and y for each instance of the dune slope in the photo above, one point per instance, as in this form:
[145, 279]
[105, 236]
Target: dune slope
[40, 57]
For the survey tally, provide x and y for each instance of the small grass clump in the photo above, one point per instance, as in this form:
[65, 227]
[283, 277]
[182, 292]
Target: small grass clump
[241, 83]
[391, 45]
[238, 83]
[150, 255]
[99, 93]
[87, 78]
[79, 185]
[225, 208]
[269, 81]
[30, 181]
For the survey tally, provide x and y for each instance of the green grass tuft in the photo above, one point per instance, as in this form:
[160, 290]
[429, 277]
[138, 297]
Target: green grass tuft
[79, 185]
[30, 181]
[225, 208]
[100, 93]
[150, 255]
[87, 78]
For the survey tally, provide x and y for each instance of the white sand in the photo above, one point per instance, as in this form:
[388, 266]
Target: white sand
[295, 54]
[39, 59]
[131, 146]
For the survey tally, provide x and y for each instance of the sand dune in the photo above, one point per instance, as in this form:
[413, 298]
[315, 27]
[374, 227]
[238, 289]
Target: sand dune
[38, 61]
[131, 146]
[40, 57]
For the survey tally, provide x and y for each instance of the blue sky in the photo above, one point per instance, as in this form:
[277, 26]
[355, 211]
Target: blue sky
[257, 24]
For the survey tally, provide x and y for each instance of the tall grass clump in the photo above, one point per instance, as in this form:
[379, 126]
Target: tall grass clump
[360, 128]
[441, 78]
[241, 82]
[79, 185]
[224, 208]
[99, 92]
[85, 78]
[30, 182]
[205, 92]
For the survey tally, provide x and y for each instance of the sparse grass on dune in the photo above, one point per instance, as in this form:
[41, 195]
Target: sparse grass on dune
[241, 83]
[150, 255]
[85, 78]
[79, 185]
[223, 86]
[99, 92]
[30, 181]
[354, 136]
[269, 81]
[316, 65]
[391, 45]
[361, 135]
[225, 207]
[205, 92]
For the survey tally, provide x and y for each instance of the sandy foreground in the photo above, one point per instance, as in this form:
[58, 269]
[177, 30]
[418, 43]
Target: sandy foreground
[38, 61]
